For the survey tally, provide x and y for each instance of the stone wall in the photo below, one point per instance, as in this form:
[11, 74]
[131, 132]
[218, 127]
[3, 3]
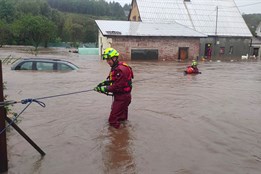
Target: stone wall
[168, 47]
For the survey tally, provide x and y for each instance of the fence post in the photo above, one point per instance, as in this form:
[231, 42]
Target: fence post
[3, 148]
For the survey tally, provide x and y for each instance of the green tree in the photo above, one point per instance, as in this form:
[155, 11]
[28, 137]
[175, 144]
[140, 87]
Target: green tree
[45, 9]
[28, 7]
[59, 19]
[116, 10]
[7, 11]
[252, 21]
[5, 33]
[127, 7]
[33, 7]
[90, 7]
[66, 36]
[77, 32]
[36, 29]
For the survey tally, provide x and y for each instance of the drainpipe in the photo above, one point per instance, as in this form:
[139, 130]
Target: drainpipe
[215, 39]
[250, 46]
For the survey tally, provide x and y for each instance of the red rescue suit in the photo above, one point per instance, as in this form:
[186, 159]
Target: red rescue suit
[121, 85]
[191, 70]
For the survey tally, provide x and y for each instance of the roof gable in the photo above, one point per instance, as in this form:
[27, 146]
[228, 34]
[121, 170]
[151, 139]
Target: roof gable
[212, 17]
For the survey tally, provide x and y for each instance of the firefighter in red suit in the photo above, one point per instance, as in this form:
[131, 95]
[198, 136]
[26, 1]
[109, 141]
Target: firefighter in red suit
[119, 84]
[193, 69]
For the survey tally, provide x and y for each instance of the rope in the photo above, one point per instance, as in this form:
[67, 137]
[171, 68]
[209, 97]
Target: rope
[16, 117]
[36, 100]
[60, 95]
[25, 101]
[29, 101]
[33, 100]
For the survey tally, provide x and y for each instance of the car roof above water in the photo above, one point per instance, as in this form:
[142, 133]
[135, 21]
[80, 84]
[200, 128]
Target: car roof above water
[49, 60]
[44, 59]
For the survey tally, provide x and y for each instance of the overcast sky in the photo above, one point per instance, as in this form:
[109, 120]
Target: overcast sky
[245, 6]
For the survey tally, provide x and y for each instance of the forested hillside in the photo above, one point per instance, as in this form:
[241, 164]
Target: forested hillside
[39, 22]
[252, 21]
[95, 8]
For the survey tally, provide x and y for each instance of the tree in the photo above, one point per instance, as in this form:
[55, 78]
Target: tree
[59, 19]
[67, 29]
[5, 33]
[127, 7]
[36, 29]
[28, 7]
[252, 21]
[77, 32]
[90, 7]
[39, 7]
[45, 9]
[7, 11]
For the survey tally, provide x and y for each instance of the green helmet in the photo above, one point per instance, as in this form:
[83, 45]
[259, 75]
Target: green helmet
[110, 53]
[194, 63]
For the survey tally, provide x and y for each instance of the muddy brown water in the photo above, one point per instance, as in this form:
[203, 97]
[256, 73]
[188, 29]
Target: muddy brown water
[194, 124]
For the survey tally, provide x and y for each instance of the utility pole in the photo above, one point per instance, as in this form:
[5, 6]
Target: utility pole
[3, 146]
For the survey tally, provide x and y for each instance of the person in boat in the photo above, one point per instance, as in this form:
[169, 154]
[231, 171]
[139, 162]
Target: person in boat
[193, 68]
[119, 85]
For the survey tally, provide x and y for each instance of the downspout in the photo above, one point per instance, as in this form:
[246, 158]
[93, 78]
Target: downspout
[249, 50]
[215, 37]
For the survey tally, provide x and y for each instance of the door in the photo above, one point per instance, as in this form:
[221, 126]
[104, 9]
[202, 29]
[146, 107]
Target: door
[255, 51]
[183, 53]
[208, 50]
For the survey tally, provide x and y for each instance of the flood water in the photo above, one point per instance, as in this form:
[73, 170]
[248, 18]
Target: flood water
[195, 124]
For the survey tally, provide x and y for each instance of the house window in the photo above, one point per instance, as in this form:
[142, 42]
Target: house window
[144, 54]
[222, 51]
[231, 50]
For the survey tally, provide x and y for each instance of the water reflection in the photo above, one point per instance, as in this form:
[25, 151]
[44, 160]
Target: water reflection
[117, 154]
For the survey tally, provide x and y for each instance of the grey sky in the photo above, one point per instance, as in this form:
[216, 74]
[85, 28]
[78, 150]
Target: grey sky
[245, 6]
[249, 6]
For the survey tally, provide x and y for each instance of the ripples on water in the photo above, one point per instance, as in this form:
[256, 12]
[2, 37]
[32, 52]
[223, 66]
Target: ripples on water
[194, 124]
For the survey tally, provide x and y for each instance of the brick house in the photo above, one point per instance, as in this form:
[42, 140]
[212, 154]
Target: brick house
[228, 34]
[149, 41]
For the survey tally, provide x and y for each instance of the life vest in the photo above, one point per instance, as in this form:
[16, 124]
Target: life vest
[128, 83]
[189, 70]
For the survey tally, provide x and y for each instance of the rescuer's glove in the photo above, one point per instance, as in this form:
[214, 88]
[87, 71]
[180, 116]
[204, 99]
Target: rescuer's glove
[104, 83]
[102, 89]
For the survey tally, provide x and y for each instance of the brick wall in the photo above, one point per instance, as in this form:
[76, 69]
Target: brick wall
[168, 47]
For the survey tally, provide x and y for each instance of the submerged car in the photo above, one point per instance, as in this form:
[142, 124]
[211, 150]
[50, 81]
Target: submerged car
[42, 64]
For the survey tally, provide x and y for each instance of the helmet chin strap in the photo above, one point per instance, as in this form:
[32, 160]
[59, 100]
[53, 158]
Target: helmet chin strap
[115, 62]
